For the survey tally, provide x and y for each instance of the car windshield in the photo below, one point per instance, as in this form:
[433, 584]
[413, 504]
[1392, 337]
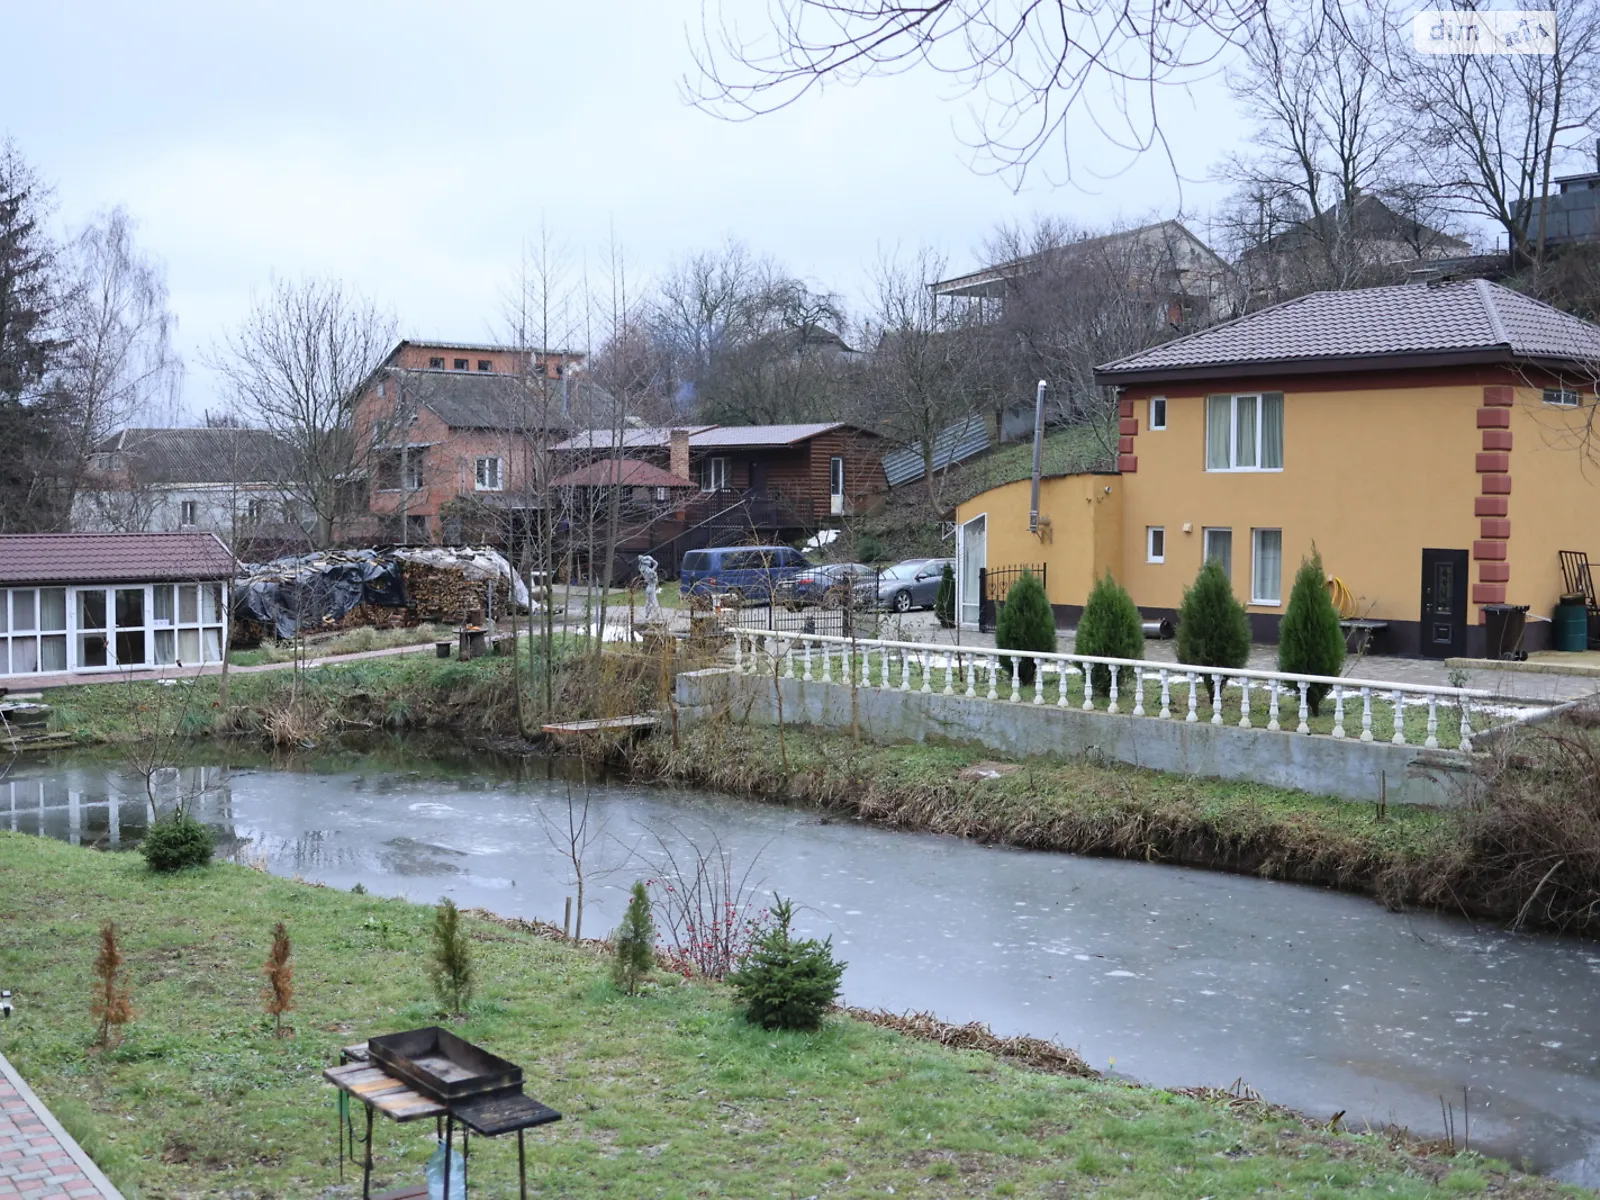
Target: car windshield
[905, 570]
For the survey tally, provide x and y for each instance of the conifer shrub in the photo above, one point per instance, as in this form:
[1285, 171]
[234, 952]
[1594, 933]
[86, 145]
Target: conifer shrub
[175, 842]
[944, 605]
[1213, 630]
[450, 959]
[1310, 641]
[1110, 628]
[110, 1003]
[786, 983]
[280, 978]
[634, 943]
[1025, 623]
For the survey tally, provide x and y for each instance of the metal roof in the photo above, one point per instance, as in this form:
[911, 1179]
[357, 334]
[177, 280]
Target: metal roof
[1409, 325]
[60, 558]
[705, 437]
[954, 443]
[201, 455]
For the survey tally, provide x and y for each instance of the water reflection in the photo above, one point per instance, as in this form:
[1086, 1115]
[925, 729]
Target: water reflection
[1320, 1001]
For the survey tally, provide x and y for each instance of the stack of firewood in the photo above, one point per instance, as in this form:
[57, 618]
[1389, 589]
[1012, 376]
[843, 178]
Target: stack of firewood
[449, 594]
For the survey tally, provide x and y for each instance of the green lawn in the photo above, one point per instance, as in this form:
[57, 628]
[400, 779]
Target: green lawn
[351, 641]
[671, 1094]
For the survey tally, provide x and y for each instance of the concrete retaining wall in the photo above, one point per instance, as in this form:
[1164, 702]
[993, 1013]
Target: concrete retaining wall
[1346, 768]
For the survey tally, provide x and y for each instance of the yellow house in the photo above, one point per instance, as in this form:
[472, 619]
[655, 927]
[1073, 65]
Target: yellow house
[1431, 440]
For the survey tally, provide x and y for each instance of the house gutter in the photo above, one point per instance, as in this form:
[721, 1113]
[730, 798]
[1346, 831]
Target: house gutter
[1495, 356]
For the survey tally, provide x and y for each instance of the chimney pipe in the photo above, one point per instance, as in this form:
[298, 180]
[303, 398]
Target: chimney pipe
[1038, 455]
[678, 453]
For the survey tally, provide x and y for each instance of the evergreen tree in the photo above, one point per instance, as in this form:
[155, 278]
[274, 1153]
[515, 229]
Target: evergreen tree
[450, 963]
[785, 983]
[944, 605]
[1310, 641]
[1026, 622]
[634, 942]
[1213, 629]
[1110, 628]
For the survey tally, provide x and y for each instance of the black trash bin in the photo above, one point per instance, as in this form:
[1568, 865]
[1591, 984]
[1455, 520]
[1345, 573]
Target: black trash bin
[1503, 624]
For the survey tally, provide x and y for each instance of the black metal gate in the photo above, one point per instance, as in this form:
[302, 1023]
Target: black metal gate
[993, 585]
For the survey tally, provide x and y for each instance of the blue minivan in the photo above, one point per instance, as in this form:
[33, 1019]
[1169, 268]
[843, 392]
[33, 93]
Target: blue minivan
[748, 572]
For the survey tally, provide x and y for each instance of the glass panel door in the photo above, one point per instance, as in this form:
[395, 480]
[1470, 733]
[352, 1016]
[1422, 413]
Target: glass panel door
[131, 642]
[974, 556]
[92, 647]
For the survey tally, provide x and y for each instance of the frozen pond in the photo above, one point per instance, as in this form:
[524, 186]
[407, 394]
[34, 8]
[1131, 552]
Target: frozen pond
[1318, 1000]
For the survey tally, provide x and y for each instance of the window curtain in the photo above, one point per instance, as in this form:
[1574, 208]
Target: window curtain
[1244, 442]
[1272, 431]
[1267, 586]
[1219, 419]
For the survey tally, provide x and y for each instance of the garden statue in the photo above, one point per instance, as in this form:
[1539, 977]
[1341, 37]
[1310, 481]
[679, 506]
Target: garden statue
[652, 603]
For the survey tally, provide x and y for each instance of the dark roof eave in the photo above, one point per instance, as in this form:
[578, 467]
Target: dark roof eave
[1325, 365]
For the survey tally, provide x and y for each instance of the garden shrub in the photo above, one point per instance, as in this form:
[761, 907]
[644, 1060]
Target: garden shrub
[944, 605]
[1310, 641]
[1111, 628]
[870, 548]
[784, 983]
[1025, 623]
[634, 943]
[175, 842]
[1213, 630]
[450, 959]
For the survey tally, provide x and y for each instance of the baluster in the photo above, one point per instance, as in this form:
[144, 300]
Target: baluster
[1111, 700]
[1244, 702]
[1016, 677]
[1087, 672]
[927, 672]
[805, 647]
[1194, 711]
[1061, 686]
[788, 660]
[883, 668]
[1338, 710]
[949, 675]
[827, 662]
[1466, 725]
[866, 666]
[1399, 738]
[1366, 714]
[994, 670]
[1305, 707]
[1138, 691]
[738, 652]
[1166, 692]
[1272, 712]
[1038, 681]
[1216, 699]
[905, 669]
[1432, 740]
[972, 675]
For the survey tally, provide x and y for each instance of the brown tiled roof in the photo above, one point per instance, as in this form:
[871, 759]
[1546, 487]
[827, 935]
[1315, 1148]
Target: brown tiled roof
[111, 557]
[630, 472]
[1412, 325]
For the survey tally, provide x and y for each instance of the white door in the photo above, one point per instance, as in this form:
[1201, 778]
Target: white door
[972, 553]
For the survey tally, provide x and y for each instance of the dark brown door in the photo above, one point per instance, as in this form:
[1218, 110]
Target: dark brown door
[1444, 603]
[758, 477]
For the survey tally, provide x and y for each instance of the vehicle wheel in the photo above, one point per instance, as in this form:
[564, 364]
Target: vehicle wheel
[902, 601]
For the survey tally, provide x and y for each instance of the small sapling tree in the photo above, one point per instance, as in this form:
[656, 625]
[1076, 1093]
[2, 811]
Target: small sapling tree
[1109, 628]
[634, 942]
[1025, 623]
[450, 959]
[1213, 629]
[280, 979]
[785, 983]
[176, 841]
[1310, 641]
[944, 605]
[111, 1005]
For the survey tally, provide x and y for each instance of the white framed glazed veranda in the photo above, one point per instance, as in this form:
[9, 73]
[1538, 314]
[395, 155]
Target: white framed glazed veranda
[87, 628]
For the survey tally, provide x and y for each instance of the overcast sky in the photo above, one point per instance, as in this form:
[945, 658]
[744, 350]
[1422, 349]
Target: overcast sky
[409, 150]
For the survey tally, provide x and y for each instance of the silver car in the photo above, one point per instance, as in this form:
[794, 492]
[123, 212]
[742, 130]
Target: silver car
[910, 584]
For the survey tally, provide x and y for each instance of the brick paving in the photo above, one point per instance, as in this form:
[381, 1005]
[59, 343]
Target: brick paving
[38, 1159]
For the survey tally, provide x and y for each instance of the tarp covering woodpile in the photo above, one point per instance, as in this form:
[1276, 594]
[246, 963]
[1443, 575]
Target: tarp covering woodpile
[348, 589]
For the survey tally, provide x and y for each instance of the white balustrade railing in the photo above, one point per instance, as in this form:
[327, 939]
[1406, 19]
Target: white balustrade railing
[1199, 693]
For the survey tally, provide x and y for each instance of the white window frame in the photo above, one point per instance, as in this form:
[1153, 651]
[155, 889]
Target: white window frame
[203, 626]
[714, 477]
[1233, 435]
[1205, 546]
[479, 475]
[410, 471]
[1255, 560]
[188, 513]
[1151, 532]
[1158, 412]
[1562, 398]
[836, 475]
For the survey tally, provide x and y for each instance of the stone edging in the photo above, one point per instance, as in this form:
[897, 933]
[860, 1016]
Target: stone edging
[68, 1143]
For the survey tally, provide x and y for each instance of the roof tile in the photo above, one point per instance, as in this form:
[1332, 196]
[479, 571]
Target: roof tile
[58, 558]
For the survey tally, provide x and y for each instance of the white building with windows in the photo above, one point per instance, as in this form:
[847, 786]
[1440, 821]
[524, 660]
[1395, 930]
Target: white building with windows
[91, 603]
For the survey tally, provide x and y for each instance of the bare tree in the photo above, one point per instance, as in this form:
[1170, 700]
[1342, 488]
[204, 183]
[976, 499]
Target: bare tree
[927, 378]
[1491, 127]
[1038, 72]
[296, 365]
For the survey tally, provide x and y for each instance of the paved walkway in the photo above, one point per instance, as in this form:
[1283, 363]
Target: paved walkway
[38, 1159]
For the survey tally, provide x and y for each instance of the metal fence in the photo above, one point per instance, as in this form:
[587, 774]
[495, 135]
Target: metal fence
[994, 583]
